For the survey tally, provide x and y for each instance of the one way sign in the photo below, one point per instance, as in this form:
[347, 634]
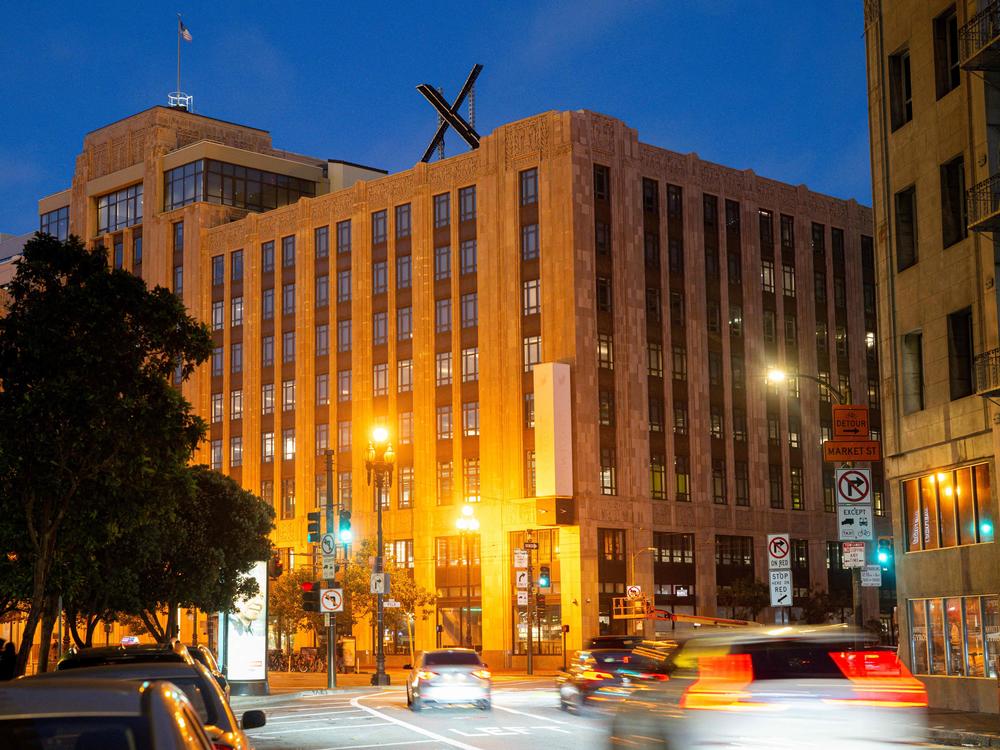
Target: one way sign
[854, 486]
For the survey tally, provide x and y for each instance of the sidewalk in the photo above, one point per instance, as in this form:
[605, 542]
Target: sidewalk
[965, 729]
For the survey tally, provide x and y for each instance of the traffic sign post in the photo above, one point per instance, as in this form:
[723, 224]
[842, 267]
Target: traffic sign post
[850, 421]
[781, 588]
[854, 486]
[331, 600]
[854, 523]
[521, 579]
[329, 566]
[520, 559]
[853, 554]
[328, 543]
[778, 548]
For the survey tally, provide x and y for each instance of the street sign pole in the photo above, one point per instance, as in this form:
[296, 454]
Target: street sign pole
[331, 620]
[531, 608]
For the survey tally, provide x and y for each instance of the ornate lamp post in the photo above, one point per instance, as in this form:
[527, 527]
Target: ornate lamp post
[379, 462]
[467, 523]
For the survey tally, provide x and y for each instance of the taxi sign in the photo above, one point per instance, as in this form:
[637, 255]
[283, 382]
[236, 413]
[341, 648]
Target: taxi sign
[835, 451]
[850, 421]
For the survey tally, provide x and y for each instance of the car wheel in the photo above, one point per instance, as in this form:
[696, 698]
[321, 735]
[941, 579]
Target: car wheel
[415, 705]
[578, 704]
[409, 700]
[486, 705]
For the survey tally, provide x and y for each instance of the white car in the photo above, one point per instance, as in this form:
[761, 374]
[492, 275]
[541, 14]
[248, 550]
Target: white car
[452, 675]
[819, 688]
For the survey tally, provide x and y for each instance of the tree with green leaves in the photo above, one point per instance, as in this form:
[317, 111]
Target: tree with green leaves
[284, 606]
[93, 430]
[747, 597]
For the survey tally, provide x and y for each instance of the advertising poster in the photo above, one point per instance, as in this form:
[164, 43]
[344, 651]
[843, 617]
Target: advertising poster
[246, 636]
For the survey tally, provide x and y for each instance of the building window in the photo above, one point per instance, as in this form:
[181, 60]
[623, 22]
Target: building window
[237, 311]
[739, 425]
[218, 315]
[267, 447]
[604, 294]
[735, 320]
[288, 347]
[322, 389]
[405, 427]
[469, 304]
[676, 307]
[217, 361]
[954, 636]
[442, 210]
[767, 275]
[467, 203]
[442, 368]
[470, 479]
[216, 407]
[650, 195]
[403, 272]
[380, 379]
[655, 414]
[605, 351]
[734, 551]
[322, 291]
[906, 228]
[445, 488]
[345, 489]
[267, 257]
[682, 474]
[715, 369]
[602, 238]
[788, 279]
[236, 357]
[602, 183]
[960, 354]
[267, 304]
[608, 481]
[470, 364]
[288, 444]
[344, 236]
[403, 224]
[216, 455]
[913, 372]
[321, 241]
[468, 260]
[343, 436]
[404, 375]
[287, 498]
[267, 398]
[267, 492]
[719, 481]
[529, 242]
[137, 250]
[657, 477]
[605, 407]
[532, 352]
[528, 180]
[470, 419]
[651, 250]
[380, 277]
[404, 323]
[121, 209]
[236, 404]
[679, 363]
[531, 297]
[405, 484]
[267, 351]
[530, 469]
[344, 335]
[236, 451]
[654, 358]
[946, 58]
[653, 311]
[795, 487]
[343, 385]
[379, 222]
[343, 286]
[442, 262]
[380, 328]
[178, 280]
[529, 411]
[953, 212]
[819, 287]
[287, 395]
[288, 251]
[775, 486]
[900, 89]
[56, 223]
[288, 299]
[742, 489]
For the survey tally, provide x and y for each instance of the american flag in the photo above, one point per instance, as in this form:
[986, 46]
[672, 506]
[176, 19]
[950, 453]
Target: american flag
[183, 30]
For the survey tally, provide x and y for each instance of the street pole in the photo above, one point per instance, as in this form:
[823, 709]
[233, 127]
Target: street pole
[531, 607]
[331, 620]
[468, 591]
[379, 463]
[380, 675]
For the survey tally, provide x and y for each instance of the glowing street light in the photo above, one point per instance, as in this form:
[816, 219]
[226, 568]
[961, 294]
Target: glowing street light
[379, 461]
[467, 523]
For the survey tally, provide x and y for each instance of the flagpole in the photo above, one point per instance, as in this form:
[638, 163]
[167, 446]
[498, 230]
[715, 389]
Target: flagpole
[178, 53]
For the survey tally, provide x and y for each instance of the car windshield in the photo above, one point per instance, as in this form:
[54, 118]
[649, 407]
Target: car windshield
[604, 641]
[627, 661]
[794, 659]
[75, 733]
[451, 658]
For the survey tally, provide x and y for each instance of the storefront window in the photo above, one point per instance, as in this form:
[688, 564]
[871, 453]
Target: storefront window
[935, 631]
[974, 637]
[918, 635]
[991, 630]
[958, 636]
[949, 508]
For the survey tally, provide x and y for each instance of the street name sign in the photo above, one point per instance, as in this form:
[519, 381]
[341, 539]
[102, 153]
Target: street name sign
[778, 548]
[854, 486]
[854, 522]
[329, 566]
[530, 545]
[520, 558]
[850, 421]
[781, 588]
[633, 592]
[871, 575]
[521, 579]
[329, 544]
[331, 600]
[391, 604]
[853, 554]
[835, 451]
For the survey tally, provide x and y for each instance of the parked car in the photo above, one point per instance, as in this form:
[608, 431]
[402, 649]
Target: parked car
[452, 675]
[624, 642]
[86, 714]
[204, 655]
[821, 687]
[175, 651]
[608, 675]
[193, 679]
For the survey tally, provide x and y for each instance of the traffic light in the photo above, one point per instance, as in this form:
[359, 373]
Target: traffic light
[344, 530]
[884, 552]
[310, 595]
[544, 581]
[540, 603]
[313, 529]
[274, 567]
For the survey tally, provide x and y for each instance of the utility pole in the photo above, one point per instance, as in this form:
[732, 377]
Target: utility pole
[331, 618]
[531, 603]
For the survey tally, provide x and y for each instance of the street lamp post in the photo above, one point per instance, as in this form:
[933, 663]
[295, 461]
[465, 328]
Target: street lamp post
[779, 376]
[467, 523]
[631, 575]
[378, 466]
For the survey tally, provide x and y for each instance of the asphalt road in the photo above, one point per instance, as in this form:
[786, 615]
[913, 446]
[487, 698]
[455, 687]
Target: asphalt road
[525, 714]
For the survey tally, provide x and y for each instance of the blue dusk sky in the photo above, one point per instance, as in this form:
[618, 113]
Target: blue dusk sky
[777, 86]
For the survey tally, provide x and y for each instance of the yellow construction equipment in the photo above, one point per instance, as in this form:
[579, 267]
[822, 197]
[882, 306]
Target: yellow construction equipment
[642, 608]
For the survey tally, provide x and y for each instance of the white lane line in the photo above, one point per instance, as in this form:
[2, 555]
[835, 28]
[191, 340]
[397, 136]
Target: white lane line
[325, 728]
[525, 713]
[379, 744]
[320, 713]
[413, 727]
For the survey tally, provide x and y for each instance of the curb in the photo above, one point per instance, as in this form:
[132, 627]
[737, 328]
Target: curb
[963, 739]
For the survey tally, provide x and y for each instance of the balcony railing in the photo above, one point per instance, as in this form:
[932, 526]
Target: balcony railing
[979, 40]
[983, 200]
[988, 373]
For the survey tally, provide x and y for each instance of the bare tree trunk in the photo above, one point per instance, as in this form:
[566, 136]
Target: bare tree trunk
[34, 613]
[73, 627]
[152, 623]
[51, 612]
[92, 621]
[409, 633]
